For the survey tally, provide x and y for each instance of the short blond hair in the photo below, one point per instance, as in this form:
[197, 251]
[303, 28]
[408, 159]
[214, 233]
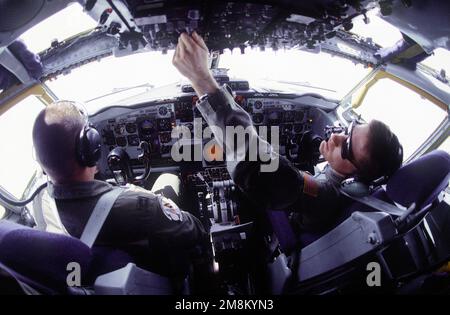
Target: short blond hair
[55, 133]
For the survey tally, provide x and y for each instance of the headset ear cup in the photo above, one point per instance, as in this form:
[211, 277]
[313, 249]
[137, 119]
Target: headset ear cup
[89, 146]
[95, 145]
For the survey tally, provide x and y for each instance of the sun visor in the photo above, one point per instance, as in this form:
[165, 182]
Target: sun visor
[18, 64]
[425, 22]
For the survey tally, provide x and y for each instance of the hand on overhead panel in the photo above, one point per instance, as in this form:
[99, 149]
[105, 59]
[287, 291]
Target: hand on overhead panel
[191, 60]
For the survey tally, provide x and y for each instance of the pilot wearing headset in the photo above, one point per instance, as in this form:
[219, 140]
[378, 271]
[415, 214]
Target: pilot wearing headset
[367, 151]
[68, 148]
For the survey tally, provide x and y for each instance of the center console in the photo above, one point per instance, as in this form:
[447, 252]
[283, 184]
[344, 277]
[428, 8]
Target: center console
[215, 199]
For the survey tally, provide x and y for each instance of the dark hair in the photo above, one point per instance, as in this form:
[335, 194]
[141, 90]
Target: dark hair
[385, 153]
[55, 131]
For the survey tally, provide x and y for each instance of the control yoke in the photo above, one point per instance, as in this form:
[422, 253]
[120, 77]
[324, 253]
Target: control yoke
[144, 157]
[120, 165]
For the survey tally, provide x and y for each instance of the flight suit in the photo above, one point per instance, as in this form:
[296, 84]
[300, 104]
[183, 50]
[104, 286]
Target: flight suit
[137, 215]
[314, 201]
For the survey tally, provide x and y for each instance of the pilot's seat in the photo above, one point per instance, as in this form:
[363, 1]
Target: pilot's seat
[49, 263]
[420, 181]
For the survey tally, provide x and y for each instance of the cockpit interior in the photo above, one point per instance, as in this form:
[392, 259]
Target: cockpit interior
[392, 236]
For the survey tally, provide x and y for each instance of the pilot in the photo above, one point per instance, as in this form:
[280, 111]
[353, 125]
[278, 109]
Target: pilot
[368, 151]
[136, 215]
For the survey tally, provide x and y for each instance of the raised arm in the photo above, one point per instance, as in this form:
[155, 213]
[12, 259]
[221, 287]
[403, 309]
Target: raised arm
[269, 180]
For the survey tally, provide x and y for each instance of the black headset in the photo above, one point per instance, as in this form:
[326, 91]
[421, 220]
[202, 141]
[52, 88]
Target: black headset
[88, 146]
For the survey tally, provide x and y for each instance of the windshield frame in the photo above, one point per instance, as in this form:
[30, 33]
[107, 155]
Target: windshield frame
[415, 80]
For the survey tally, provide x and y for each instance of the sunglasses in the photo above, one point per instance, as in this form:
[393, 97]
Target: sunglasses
[346, 151]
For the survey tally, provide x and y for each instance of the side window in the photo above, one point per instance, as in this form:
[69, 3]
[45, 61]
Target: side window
[410, 116]
[17, 164]
[445, 146]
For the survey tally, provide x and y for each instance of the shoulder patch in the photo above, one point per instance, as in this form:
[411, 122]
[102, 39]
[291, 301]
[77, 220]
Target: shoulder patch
[310, 185]
[170, 209]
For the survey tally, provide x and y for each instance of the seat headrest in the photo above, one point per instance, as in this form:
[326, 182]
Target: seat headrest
[421, 180]
[41, 256]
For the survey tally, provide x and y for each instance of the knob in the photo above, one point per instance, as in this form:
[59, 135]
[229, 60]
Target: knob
[162, 110]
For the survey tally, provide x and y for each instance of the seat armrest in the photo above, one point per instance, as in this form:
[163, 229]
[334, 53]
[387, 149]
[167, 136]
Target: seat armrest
[132, 280]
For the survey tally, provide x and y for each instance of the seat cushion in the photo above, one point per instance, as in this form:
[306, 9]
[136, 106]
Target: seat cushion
[421, 180]
[42, 256]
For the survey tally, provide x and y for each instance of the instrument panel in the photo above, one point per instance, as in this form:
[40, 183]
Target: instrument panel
[209, 191]
[157, 124]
